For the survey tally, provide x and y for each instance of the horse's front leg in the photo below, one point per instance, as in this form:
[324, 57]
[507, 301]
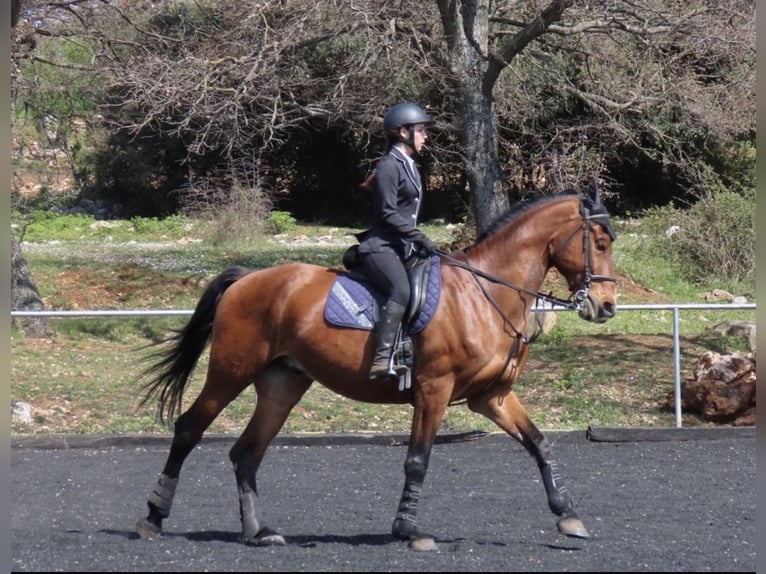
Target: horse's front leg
[509, 414]
[426, 418]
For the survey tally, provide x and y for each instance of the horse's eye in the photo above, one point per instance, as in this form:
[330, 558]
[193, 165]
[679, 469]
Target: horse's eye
[601, 245]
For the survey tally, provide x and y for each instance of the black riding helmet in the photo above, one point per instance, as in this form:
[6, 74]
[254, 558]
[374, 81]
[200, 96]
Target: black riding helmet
[405, 115]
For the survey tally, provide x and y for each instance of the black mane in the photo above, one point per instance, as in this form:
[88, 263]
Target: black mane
[521, 207]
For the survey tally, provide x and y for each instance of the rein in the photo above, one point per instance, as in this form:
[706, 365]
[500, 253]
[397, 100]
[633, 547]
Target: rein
[520, 336]
[566, 303]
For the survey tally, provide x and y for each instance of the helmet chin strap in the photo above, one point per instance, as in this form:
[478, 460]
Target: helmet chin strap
[410, 141]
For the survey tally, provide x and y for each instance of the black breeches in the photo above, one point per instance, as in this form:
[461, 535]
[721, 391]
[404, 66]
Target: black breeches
[388, 274]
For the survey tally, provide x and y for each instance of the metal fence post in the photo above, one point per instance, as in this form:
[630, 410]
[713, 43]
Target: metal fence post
[677, 364]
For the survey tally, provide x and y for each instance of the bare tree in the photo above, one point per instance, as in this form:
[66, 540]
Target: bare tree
[476, 65]
[629, 71]
[239, 80]
[521, 88]
[24, 293]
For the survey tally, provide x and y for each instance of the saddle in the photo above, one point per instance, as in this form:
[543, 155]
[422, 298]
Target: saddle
[354, 303]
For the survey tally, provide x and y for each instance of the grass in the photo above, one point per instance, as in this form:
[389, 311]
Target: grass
[82, 380]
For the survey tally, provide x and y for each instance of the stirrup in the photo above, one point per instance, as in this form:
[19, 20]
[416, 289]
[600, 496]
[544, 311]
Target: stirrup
[386, 373]
[400, 373]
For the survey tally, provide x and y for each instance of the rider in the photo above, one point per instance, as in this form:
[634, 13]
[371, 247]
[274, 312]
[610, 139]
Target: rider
[393, 237]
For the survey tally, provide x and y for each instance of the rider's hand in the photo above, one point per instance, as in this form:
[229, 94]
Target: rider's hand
[427, 245]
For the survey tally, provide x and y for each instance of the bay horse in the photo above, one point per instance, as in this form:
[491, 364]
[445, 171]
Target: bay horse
[266, 328]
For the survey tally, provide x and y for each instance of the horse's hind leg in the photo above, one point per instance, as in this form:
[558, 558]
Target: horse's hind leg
[509, 414]
[278, 389]
[188, 431]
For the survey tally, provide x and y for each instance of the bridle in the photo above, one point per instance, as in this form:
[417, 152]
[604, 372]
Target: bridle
[579, 297]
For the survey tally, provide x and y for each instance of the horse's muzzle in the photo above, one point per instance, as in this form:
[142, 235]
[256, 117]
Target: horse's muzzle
[597, 311]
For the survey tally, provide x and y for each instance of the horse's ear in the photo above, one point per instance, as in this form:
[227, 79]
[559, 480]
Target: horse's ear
[593, 191]
[596, 208]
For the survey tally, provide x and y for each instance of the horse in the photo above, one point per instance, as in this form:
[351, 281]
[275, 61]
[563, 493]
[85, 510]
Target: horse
[266, 328]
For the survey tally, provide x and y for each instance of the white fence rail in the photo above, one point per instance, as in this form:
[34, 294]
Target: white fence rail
[675, 307]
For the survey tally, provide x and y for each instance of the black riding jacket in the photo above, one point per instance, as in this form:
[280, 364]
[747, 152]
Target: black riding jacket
[397, 193]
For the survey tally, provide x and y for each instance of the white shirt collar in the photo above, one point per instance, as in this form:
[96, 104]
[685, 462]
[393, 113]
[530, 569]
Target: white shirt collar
[405, 155]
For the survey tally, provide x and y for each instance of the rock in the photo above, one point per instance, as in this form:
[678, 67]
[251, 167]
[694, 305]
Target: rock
[672, 230]
[717, 295]
[21, 412]
[722, 389]
[737, 329]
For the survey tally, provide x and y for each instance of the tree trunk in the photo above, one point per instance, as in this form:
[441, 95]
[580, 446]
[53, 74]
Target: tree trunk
[24, 293]
[25, 296]
[476, 69]
[466, 26]
[486, 181]
[15, 12]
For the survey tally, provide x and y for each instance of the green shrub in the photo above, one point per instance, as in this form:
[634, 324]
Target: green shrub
[41, 225]
[173, 225]
[712, 243]
[281, 222]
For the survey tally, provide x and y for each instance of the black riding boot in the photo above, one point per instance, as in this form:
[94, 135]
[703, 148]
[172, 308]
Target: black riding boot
[388, 323]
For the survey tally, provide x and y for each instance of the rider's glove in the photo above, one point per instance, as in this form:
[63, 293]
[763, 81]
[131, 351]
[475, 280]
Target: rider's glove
[427, 245]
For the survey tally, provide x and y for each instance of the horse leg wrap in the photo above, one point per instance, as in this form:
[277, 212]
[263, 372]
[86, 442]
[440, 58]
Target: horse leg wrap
[408, 505]
[558, 497]
[162, 495]
[404, 526]
[248, 515]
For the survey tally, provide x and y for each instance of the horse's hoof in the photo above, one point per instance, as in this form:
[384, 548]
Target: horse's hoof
[148, 530]
[423, 544]
[573, 527]
[406, 530]
[266, 537]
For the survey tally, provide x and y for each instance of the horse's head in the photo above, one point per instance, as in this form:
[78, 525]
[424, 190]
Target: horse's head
[583, 256]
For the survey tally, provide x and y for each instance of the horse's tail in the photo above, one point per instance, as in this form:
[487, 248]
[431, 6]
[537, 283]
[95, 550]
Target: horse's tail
[176, 363]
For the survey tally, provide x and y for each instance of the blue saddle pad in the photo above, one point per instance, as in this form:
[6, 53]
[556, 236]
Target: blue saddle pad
[353, 303]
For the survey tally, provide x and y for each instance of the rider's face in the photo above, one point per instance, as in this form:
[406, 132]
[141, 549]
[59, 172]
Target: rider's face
[420, 136]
